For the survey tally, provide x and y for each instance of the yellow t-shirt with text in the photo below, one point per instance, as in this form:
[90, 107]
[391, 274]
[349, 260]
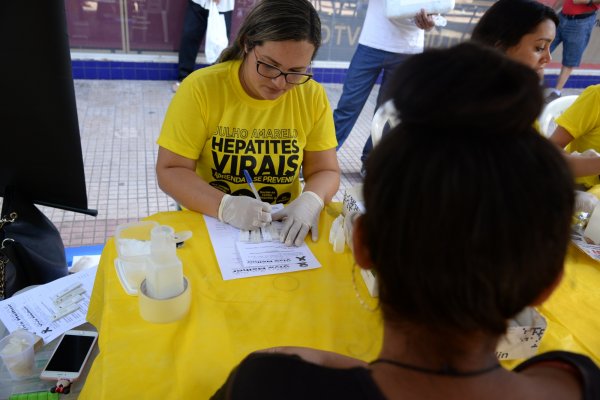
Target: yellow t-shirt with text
[212, 120]
[582, 120]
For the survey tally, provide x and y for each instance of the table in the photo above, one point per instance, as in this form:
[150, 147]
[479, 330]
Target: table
[573, 310]
[226, 321]
[229, 319]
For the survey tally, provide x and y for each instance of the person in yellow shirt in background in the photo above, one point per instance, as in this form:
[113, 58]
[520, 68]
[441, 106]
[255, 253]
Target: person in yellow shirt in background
[257, 110]
[578, 130]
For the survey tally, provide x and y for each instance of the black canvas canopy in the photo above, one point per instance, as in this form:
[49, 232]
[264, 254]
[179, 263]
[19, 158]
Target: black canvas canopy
[40, 146]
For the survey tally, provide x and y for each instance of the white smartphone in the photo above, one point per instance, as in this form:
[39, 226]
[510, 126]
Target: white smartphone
[70, 356]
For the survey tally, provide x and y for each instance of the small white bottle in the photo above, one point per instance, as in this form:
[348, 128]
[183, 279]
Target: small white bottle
[164, 274]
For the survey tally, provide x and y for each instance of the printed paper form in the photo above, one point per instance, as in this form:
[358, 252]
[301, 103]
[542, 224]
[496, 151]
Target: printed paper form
[592, 250]
[34, 309]
[244, 259]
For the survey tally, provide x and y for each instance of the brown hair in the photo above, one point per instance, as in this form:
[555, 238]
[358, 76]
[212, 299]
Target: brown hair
[276, 20]
[468, 207]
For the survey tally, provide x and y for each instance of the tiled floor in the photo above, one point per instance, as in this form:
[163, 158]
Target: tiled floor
[119, 123]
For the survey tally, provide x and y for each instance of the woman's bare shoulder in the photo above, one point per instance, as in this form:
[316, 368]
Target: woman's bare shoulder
[319, 357]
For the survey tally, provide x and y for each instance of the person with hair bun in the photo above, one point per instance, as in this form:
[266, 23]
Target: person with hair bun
[256, 111]
[453, 172]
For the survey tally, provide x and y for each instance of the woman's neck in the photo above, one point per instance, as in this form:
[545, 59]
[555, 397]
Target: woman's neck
[242, 77]
[420, 364]
[428, 351]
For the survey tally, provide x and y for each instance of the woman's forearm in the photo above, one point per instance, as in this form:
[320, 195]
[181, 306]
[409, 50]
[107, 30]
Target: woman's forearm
[189, 190]
[582, 165]
[324, 183]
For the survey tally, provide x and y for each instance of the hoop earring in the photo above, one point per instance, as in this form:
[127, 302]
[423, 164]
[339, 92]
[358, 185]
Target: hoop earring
[362, 302]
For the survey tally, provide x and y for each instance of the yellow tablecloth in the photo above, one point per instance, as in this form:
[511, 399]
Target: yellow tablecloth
[318, 308]
[573, 310]
[192, 357]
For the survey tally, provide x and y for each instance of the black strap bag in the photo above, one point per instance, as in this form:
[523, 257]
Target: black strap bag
[31, 249]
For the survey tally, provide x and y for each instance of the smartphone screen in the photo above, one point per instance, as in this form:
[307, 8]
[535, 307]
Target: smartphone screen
[70, 356]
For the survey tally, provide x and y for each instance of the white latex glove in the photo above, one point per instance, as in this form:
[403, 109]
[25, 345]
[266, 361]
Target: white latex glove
[336, 234]
[300, 216]
[588, 153]
[244, 212]
[349, 220]
[585, 202]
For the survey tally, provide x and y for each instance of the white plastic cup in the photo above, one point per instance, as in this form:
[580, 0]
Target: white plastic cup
[16, 351]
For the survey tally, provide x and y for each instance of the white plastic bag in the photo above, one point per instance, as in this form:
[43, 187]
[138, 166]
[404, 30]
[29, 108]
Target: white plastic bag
[408, 8]
[216, 34]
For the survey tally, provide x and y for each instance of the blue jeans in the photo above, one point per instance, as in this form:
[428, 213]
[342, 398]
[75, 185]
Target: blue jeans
[575, 35]
[366, 65]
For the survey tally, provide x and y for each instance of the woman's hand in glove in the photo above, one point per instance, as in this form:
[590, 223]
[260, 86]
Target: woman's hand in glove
[244, 212]
[300, 216]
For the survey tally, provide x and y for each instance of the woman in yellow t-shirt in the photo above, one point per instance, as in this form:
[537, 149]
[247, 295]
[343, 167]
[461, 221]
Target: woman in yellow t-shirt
[524, 30]
[257, 112]
[578, 130]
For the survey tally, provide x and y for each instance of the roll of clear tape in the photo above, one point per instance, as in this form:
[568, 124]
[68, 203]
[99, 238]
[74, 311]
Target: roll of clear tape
[163, 311]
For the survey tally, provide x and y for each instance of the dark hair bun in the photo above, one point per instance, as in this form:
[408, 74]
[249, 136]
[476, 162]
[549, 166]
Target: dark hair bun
[515, 104]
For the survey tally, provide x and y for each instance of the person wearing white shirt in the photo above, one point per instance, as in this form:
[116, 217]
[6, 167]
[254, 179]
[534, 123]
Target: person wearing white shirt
[382, 46]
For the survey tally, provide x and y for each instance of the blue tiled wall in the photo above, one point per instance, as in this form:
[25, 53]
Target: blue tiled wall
[574, 82]
[168, 71]
[83, 69]
[123, 70]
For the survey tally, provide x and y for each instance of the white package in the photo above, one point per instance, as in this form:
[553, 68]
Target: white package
[408, 8]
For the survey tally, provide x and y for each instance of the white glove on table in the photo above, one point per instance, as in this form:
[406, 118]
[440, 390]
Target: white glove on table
[244, 212]
[300, 216]
[587, 153]
[341, 231]
[349, 221]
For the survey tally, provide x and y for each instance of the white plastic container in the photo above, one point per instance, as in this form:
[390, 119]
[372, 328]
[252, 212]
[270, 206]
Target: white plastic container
[16, 352]
[408, 8]
[133, 240]
[133, 249]
[164, 271]
[164, 295]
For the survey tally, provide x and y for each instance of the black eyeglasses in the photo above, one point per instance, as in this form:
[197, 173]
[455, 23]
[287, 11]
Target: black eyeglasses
[272, 72]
